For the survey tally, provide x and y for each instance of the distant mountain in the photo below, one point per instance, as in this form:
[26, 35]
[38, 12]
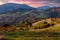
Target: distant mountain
[33, 15]
[43, 7]
[12, 7]
[55, 11]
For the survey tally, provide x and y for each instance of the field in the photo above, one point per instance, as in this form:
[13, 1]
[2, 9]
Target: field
[26, 35]
[40, 30]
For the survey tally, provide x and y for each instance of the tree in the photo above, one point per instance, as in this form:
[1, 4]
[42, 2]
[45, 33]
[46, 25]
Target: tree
[30, 24]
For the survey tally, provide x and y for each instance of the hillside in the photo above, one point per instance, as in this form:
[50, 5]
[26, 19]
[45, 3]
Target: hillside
[23, 22]
[54, 24]
[29, 28]
[33, 15]
[11, 7]
[22, 12]
[56, 10]
[43, 7]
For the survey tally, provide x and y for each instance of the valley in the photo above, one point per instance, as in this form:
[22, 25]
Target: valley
[23, 22]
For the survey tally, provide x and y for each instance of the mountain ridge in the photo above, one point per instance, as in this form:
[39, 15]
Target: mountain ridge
[12, 6]
[44, 7]
[32, 15]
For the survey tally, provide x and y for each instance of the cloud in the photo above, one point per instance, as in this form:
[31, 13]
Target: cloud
[1, 3]
[34, 3]
[55, 1]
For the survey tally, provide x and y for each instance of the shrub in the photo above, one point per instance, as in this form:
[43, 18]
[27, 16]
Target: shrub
[36, 28]
[26, 28]
[21, 28]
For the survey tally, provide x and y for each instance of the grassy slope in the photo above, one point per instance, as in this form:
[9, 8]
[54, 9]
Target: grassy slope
[50, 33]
[56, 27]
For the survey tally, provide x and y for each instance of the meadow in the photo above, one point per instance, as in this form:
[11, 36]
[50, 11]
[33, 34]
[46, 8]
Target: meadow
[41, 30]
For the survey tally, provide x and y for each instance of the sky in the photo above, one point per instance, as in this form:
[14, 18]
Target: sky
[33, 3]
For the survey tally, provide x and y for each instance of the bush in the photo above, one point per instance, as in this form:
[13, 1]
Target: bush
[21, 28]
[36, 28]
[26, 28]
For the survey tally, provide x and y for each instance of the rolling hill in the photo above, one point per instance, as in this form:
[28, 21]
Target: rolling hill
[15, 13]
[43, 7]
[12, 7]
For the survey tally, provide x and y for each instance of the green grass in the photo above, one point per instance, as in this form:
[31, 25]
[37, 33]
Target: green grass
[31, 35]
[50, 33]
[34, 38]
